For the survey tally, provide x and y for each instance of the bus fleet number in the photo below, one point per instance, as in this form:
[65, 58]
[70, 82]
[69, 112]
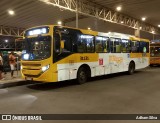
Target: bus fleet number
[84, 58]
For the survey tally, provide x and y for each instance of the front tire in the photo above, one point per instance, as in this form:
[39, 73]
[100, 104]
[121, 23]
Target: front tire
[131, 68]
[81, 75]
[151, 65]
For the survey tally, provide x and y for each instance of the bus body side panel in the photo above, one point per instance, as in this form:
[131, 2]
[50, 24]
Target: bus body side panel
[100, 64]
[141, 60]
[155, 60]
[68, 67]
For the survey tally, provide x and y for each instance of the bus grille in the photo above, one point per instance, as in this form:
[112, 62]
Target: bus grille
[33, 76]
[36, 65]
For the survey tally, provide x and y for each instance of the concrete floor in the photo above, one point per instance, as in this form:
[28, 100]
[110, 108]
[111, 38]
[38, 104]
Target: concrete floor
[111, 94]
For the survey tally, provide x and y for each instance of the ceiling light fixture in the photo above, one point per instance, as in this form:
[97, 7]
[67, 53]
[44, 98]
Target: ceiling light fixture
[59, 23]
[143, 18]
[119, 8]
[159, 25]
[11, 12]
[6, 40]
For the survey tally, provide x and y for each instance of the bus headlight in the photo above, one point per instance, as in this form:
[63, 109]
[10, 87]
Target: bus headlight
[44, 68]
[26, 56]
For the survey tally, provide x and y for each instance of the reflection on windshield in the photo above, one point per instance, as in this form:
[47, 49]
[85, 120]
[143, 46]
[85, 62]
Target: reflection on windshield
[155, 51]
[38, 48]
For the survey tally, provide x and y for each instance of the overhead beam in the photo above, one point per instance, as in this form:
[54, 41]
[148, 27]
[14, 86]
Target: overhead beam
[74, 19]
[92, 9]
[11, 31]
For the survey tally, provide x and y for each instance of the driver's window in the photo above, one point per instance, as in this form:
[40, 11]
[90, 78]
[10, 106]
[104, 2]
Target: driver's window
[57, 43]
[62, 35]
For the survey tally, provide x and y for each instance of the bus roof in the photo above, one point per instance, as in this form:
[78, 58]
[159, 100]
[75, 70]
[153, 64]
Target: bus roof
[155, 44]
[95, 33]
[139, 39]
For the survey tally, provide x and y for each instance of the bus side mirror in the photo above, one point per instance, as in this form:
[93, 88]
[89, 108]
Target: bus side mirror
[61, 47]
[62, 44]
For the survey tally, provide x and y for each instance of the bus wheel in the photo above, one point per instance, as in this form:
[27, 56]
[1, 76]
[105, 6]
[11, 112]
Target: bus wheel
[131, 68]
[151, 65]
[81, 75]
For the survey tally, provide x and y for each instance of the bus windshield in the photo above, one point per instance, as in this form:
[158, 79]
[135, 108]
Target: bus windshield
[155, 51]
[38, 48]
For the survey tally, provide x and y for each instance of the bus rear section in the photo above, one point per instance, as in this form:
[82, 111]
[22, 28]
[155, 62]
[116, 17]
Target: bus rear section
[154, 53]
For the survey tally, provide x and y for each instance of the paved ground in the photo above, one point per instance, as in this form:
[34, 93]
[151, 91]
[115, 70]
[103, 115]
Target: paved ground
[8, 78]
[111, 94]
[8, 81]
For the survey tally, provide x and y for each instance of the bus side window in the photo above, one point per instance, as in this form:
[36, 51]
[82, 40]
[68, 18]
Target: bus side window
[147, 47]
[135, 46]
[81, 45]
[102, 44]
[67, 43]
[86, 44]
[125, 46]
[57, 43]
[112, 45]
[144, 45]
[118, 45]
[105, 44]
[115, 45]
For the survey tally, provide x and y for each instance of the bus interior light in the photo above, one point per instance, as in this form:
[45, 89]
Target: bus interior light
[86, 36]
[44, 30]
[99, 38]
[125, 41]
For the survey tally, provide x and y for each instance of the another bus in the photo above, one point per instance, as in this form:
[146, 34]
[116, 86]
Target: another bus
[57, 53]
[155, 53]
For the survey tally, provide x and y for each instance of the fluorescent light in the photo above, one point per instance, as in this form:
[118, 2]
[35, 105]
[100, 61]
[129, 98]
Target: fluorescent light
[143, 18]
[6, 40]
[36, 43]
[158, 25]
[59, 23]
[119, 8]
[86, 36]
[101, 38]
[125, 41]
[11, 12]
[43, 30]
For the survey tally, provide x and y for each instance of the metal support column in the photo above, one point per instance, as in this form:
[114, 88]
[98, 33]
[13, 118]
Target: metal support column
[137, 31]
[76, 13]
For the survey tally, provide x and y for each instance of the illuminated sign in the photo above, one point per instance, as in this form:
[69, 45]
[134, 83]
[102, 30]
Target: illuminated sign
[37, 31]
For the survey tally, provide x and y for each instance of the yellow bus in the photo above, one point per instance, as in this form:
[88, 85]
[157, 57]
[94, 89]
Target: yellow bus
[155, 53]
[56, 53]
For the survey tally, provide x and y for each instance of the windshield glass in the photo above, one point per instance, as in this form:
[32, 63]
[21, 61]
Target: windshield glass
[37, 48]
[155, 51]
